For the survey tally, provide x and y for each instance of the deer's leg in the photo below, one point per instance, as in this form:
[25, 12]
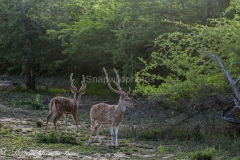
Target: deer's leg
[58, 116]
[97, 132]
[92, 129]
[112, 135]
[49, 116]
[65, 116]
[76, 121]
[116, 136]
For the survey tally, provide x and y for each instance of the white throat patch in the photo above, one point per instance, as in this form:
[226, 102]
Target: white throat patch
[124, 108]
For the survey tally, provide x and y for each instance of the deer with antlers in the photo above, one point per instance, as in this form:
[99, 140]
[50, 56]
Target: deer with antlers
[59, 106]
[110, 115]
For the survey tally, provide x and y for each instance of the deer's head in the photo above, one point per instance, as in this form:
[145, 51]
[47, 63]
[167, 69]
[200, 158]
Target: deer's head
[125, 100]
[78, 93]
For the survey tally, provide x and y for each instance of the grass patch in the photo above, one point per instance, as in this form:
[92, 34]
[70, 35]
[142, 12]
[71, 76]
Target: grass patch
[54, 137]
[206, 154]
[33, 105]
[58, 90]
[160, 133]
[161, 149]
[146, 141]
[150, 134]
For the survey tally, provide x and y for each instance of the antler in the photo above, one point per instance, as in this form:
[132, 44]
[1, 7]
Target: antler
[71, 81]
[129, 91]
[117, 83]
[75, 88]
[83, 84]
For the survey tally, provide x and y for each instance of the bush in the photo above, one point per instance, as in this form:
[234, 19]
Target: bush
[55, 137]
[203, 155]
[162, 149]
[157, 132]
[50, 138]
[150, 134]
[34, 104]
[39, 123]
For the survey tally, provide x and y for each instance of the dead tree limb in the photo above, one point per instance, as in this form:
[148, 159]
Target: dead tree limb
[234, 87]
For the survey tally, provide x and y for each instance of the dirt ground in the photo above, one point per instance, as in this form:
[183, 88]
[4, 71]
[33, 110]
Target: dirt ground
[22, 122]
[18, 132]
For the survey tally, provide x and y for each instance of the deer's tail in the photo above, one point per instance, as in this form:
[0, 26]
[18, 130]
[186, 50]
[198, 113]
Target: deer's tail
[51, 104]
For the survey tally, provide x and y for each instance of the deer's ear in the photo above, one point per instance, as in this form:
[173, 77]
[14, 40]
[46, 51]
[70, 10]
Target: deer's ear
[83, 91]
[72, 90]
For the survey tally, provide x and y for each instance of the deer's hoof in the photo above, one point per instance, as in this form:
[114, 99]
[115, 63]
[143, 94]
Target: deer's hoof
[89, 142]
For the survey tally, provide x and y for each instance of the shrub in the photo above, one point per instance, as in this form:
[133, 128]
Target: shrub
[55, 137]
[67, 138]
[39, 123]
[49, 138]
[150, 134]
[162, 149]
[34, 104]
[203, 155]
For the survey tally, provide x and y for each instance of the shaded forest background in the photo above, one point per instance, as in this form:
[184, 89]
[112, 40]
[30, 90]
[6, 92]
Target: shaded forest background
[146, 39]
[172, 53]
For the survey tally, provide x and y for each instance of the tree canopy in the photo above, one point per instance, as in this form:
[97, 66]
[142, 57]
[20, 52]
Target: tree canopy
[157, 39]
[179, 66]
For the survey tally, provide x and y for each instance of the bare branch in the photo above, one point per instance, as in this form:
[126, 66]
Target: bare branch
[234, 87]
[232, 120]
[237, 81]
[237, 105]
[229, 77]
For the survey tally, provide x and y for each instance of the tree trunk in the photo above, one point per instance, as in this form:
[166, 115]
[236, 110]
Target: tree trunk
[30, 68]
[30, 74]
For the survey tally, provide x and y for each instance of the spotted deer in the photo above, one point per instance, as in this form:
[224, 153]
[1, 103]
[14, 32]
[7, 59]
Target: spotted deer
[59, 106]
[110, 115]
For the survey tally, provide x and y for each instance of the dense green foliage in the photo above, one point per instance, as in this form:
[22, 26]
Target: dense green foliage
[158, 40]
[182, 69]
[56, 37]
[55, 137]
